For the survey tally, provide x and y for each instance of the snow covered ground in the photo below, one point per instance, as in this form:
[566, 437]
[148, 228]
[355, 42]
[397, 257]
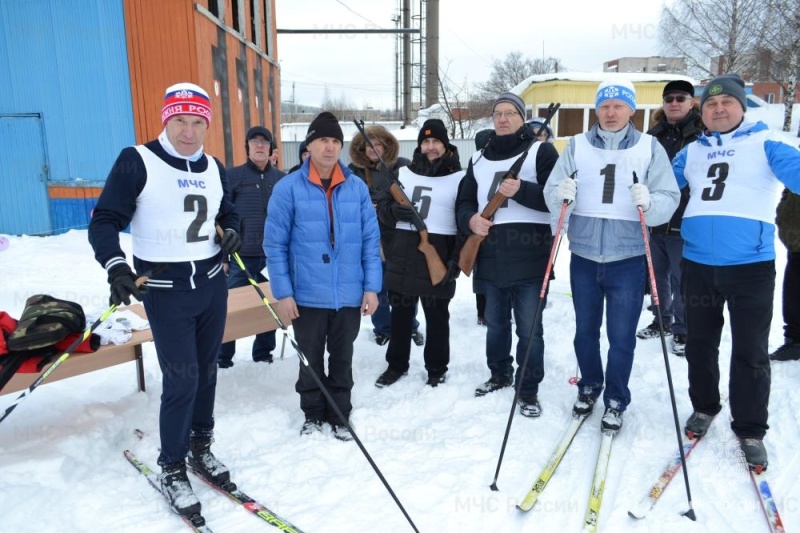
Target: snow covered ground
[62, 468]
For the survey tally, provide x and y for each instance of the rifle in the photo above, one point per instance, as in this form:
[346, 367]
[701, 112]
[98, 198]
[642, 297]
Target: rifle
[469, 252]
[436, 268]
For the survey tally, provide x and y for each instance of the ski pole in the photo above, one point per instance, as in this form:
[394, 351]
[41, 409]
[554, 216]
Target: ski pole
[657, 306]
[318, 381]
[64, 356]
[536, 318]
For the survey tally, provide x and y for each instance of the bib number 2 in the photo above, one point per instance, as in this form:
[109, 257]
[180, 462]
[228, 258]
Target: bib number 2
[196, 203]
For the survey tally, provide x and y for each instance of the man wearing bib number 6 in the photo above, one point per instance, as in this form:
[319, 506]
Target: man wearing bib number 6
[512, 259]
[173, 195]
[733, 172]
[605, 238]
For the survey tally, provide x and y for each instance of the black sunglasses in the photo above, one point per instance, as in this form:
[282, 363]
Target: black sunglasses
[680, 98]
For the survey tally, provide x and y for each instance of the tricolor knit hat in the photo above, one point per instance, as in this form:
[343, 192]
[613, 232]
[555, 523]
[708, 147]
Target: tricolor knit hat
[616, 90]
[433, 127]
[730, 84]
[324, 125]
[186, 99]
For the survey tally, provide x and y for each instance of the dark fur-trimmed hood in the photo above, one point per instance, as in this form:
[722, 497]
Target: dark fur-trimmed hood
[358, 154]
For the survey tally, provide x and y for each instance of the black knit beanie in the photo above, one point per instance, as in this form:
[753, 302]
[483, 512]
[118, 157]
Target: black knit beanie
[433, 127]
[324, 125]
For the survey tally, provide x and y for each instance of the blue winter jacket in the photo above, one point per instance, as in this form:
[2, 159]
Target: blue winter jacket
[726, 240]
[319, 266]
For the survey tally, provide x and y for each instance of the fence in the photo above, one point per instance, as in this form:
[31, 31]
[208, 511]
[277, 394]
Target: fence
[290, 156]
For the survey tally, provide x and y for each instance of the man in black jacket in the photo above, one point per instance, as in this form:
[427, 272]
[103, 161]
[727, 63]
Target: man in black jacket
[251, 187]
[512, 260]
[678, 123]
[788, 222]
[366, 164]
[432, 179]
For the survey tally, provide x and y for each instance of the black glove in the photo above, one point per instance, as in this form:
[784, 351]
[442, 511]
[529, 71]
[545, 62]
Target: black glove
[453, 271]
[403, 213]
[230, 242]
[123, 285]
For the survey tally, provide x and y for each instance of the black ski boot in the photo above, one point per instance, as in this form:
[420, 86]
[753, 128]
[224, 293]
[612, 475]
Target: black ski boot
[755, 454]
[178, 491]
[204, 463]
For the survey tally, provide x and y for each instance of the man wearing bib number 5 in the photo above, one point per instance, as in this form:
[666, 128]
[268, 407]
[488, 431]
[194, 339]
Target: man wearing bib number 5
[173, 195]
[595, 175]
[733, 172]
[430, 181]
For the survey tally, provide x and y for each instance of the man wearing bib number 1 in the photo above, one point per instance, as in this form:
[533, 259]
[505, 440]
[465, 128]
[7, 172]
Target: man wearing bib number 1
[605, 238]
[173, 195]
[733, 172]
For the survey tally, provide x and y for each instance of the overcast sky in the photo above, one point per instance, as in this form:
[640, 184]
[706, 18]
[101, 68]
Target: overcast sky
[581, 33]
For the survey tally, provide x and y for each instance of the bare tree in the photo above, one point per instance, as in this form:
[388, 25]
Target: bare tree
[461, 106]
[782, 47]
[514, 69]
[341, 107]
[714, 35]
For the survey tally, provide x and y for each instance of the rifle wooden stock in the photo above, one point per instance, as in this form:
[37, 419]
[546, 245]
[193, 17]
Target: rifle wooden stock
[436, 268]
[469, 252]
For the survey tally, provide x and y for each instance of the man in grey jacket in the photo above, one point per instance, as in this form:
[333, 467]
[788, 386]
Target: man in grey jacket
[595, 175]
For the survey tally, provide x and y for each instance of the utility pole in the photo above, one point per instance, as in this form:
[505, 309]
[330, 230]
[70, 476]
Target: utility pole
[432, 53]
[396, 20]
[294, 104]
[406, 63]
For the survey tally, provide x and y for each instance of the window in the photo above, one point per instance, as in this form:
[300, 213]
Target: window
[770, 98]
[254, 35]
[235, 12]
[570, 122]
[213, 7]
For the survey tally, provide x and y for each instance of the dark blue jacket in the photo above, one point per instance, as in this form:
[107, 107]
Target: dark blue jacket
[251, 189]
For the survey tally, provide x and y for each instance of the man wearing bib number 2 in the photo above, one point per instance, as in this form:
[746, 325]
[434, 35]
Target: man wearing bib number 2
[733, 172]
[595, 174]
[173, 195]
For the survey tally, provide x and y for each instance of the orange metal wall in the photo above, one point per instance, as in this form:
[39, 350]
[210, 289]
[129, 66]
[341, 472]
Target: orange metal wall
[170, 42]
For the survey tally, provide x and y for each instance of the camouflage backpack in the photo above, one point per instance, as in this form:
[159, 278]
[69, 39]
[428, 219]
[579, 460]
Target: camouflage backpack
[44, 322]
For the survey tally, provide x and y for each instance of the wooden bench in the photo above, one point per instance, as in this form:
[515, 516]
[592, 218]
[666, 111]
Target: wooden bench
[247, 315]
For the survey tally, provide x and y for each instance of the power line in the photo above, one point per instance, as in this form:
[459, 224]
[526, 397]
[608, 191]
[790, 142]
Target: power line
[359, 14]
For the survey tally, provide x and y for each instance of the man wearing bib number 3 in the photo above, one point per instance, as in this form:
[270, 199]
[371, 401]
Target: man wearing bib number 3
[733, 172]
[173, 195]
[595, 174]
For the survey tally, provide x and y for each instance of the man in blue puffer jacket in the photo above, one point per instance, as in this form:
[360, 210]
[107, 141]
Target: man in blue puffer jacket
[322, 244]
[733, 172]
